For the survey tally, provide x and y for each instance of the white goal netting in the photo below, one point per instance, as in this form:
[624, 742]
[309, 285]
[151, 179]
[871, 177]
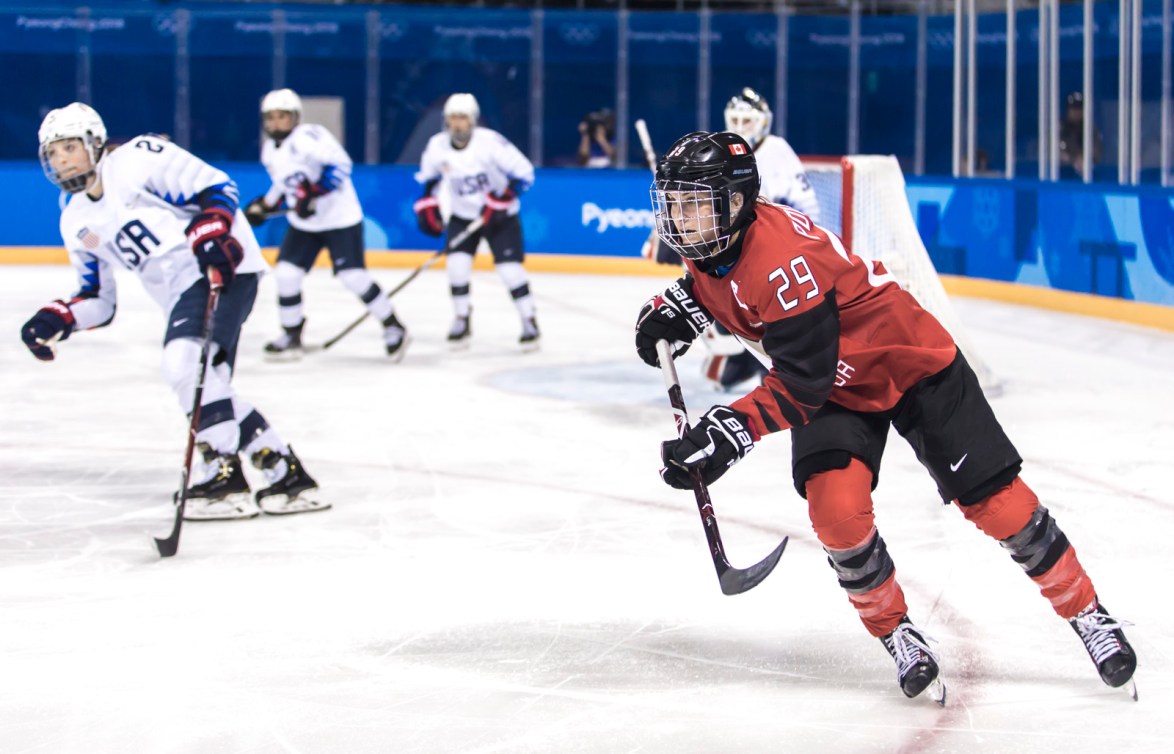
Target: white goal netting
[862, 198]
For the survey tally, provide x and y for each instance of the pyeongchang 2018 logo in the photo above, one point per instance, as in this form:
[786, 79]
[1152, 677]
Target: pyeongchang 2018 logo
[579, 34]
[614, 217]
[761, 40]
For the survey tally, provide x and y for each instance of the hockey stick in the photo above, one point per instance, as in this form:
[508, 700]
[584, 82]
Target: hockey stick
[646, 143]
[732, 580]
[460, 239]
[170, 545]
[649, 249]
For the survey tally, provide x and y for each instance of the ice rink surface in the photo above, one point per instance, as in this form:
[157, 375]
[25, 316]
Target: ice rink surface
[503, 570]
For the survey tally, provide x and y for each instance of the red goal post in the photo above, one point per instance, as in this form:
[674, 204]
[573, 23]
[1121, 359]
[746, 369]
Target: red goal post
[862, 199]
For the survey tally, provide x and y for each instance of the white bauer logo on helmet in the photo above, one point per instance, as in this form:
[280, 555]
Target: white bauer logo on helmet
[74, 121]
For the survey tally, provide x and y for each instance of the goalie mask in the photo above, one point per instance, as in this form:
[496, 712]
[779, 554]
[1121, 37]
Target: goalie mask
[74, 121]
[459, 130]
[748, 115]
[704, 193]
[282, 101]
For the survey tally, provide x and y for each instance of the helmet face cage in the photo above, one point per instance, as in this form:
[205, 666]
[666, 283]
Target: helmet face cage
[464, 104]
[693, 193]
[75, 121]
[281, 100]
[749, 116]
[692, 219]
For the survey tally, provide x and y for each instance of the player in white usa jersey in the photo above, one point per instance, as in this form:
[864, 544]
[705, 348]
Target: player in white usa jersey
[484, 174]
[783, 181]
[311, 174]
[160, 212]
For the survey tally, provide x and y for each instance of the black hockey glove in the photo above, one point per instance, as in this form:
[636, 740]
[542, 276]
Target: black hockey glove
[427, 210]
[305, 196]
[52, 323]
[674, 316]
[257, 211]
[497, 206]
[210, 235]
[721, 439]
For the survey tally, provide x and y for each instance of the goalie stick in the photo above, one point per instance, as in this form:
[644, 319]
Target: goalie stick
[732, 580]
[170, 544]
[460, 239]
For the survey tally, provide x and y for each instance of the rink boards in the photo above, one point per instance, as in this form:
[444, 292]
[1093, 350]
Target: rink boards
[997, 239]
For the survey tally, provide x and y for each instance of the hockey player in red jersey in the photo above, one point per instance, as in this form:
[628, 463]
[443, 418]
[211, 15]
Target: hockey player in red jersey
[850, 353]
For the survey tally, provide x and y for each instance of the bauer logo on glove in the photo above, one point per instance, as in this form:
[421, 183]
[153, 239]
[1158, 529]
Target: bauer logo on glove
[722, 438]
[675, 316]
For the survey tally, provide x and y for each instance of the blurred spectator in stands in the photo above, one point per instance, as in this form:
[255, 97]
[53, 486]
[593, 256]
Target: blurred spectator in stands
[1072, 139]
[596, 133]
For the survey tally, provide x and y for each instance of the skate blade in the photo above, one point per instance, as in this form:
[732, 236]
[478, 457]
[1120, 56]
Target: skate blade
[1130, 689]
[459, 345]
[283, 505]
[235, 507]
[284, 357]
[530, 347]
[398, 355]
[937, 692]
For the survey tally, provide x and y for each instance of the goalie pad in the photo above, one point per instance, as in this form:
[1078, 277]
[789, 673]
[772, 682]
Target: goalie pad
[721, 342]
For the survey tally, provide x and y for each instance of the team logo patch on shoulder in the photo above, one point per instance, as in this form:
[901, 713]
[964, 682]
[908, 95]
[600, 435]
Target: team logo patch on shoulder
[737, 149]
[89, 238]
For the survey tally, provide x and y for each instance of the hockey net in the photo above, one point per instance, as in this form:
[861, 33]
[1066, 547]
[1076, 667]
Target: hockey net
[862, 198]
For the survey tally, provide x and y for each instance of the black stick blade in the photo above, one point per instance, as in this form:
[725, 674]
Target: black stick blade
[738, 580]
[169, 546]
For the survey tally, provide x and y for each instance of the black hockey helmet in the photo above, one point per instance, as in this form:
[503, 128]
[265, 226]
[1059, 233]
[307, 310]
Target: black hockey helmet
[693, 196]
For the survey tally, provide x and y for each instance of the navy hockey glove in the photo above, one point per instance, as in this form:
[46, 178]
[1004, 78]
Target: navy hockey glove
[304, 196]
[721, 439]
[674, 316]
[210, 235]
[52, 323]
[497, 206]
[427, 210]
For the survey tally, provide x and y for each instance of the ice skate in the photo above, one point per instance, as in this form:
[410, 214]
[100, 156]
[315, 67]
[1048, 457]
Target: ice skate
[1107, 646]
[291, 489]
[530, 335]
[395, 337]
[288, 346]
[459, 333]
[224, 495]
[917, 665]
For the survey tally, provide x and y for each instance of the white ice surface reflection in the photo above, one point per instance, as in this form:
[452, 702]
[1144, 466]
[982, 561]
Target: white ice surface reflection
[503, 570]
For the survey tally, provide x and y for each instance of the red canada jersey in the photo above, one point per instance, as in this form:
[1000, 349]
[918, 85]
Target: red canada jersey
[836, 326]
